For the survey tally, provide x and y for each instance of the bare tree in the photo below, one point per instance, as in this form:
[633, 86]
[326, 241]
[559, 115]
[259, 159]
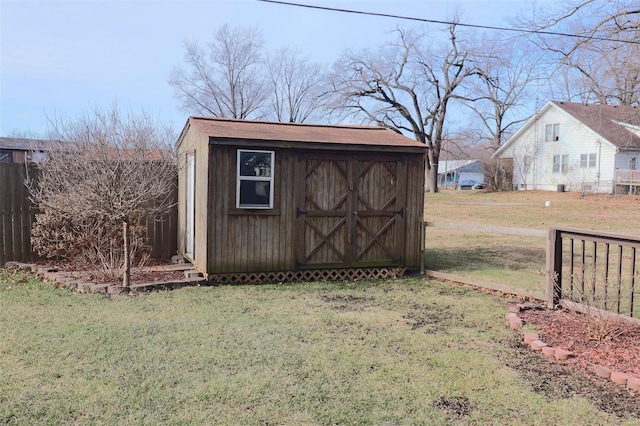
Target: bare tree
[602, 64]
[298, 90]
[226, 79]
[507, 71]
[113, 169]
[233, 77]
[406, 87]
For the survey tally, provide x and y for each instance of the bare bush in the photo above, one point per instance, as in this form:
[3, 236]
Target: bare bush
[113, 170]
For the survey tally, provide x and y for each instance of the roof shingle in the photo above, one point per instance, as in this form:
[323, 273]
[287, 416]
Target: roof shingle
[605, 119]
[225, 128]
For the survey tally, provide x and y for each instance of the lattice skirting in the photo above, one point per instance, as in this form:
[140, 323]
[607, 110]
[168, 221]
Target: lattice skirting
[306, 275]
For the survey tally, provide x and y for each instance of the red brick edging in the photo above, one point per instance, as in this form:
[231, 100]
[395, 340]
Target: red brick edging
[515, 323]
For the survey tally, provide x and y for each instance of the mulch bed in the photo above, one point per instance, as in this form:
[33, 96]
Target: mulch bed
[151, 272]
[618, 347]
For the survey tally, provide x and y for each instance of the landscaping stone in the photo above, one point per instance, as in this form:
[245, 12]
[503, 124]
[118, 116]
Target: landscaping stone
[84, 287]
[117, 289]
[530, 337]
[192, 274]
[620, 378]
[537, 345]
[511, 315]
[514, 308]
[548, 351]
[515, 323]
[177, 259]
[603, 372]
[99, 288]
[633, 384]
[563, 354]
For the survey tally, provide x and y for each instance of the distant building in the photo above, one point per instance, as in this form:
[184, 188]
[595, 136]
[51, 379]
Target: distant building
[21, 150]
[575, 147]
[449, 171]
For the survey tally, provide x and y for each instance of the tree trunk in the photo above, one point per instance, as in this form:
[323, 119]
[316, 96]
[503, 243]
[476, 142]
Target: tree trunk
[432, 179]
[431, 167]
[126, 277]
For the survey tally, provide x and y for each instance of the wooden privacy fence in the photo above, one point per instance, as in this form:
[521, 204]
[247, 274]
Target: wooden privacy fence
[597, 270]
[17, 215]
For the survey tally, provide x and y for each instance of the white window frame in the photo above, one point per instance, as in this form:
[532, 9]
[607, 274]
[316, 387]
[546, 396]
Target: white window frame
[268, 179]
[552, 132]
[560, 163]
[588, 160]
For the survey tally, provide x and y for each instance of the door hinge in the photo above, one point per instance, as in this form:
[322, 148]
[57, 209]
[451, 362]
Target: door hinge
[300, 212]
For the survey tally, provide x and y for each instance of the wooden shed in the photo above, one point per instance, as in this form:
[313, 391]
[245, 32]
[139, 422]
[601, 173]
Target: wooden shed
[272, 202]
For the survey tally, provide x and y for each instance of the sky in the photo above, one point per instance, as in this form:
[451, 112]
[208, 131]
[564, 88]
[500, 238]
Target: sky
[61, 58]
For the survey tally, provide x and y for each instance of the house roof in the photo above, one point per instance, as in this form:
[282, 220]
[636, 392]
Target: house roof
[23, 144]
[608, 121]
[286, 134]
[449, 166]
[617, 124]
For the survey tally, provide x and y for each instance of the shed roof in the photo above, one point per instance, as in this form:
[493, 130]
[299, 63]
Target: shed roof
[235, 131]
[23, 144]
[613, 122]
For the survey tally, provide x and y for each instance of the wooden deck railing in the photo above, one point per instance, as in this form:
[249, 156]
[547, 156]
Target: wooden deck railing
[627, 177]
[594, 269]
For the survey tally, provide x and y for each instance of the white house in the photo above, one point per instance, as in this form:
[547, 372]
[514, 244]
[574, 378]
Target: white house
[575, 147]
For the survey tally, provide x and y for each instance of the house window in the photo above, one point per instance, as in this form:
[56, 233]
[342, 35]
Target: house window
[560, 163]
[552, 132]
[6, 157]
[632, 162]
[527, 163]
[255, 179]
[587, 161]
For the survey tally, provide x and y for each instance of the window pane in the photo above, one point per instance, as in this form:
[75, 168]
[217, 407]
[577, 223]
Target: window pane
[255, 163]
[565, 163]
[556, 163]
[583, 160]
[547, 132]
[556, 131]
[255, 193]
[592, 160]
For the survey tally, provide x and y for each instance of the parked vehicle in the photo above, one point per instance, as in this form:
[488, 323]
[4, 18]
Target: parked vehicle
[471, 181]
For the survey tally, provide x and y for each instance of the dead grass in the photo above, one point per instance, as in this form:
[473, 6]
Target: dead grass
[517, 261]
[390, 352]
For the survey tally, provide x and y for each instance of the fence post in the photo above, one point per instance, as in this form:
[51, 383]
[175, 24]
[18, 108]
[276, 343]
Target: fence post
[554, 267]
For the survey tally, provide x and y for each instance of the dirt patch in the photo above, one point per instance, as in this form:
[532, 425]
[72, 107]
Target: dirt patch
[457, 406]
[431, 318]
[347, 303]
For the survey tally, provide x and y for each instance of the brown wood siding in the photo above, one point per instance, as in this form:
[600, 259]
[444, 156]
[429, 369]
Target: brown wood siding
[414, 210]
[268, 240]
[246, 240]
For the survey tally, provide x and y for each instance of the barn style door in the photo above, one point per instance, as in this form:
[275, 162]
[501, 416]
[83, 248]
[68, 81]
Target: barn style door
[350, 212]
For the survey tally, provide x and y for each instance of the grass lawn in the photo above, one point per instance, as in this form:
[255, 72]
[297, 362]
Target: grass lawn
[517, 261]
[381, 353]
